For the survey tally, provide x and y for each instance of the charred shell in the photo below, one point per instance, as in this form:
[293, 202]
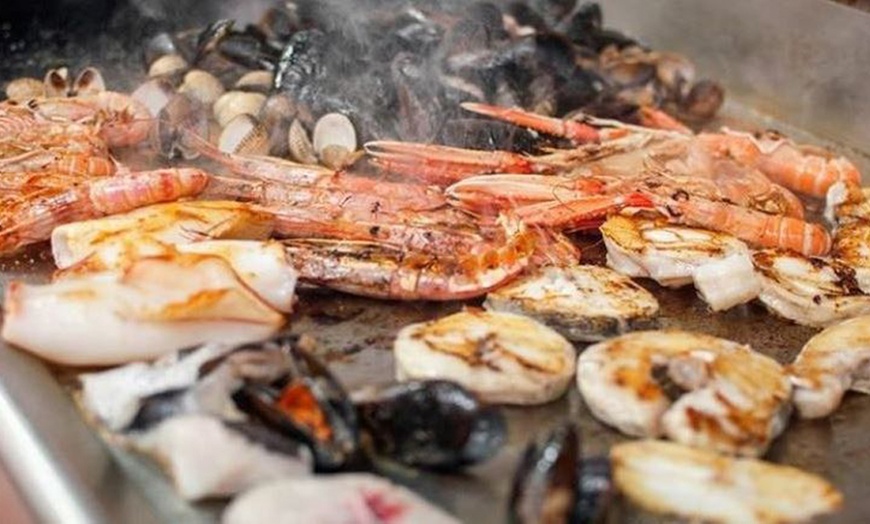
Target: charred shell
[431, 424]
[307, 404]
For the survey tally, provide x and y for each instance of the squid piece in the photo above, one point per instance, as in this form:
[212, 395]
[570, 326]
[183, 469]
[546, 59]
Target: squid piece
[702, 486]
[735, 401]
[153, 307]
[502, 357]
[583, 303]
[831, 363]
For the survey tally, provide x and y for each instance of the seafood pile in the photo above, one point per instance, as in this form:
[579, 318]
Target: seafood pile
[455, 153]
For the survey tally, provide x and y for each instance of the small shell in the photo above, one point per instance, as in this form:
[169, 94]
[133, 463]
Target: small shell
[259, 81]
[202, 86]
[301, 149]
[88, 82]
[23, 89]
[335, 157]
[56, 82]
[234, 103]
[334, 129]
[244, 135]
[167, 65]
[154, 94]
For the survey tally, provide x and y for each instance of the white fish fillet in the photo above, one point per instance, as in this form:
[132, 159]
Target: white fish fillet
[736, 400]
[704, 486]
[585, 303]
[831, 363]
[810, 291]
[504, 358]
[207, 459]
[335, 499]
[156, 306]
[114, 396]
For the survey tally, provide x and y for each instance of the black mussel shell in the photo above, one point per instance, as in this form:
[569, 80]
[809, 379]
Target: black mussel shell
[208, 40]
[546, 482]
[316, 410]
[158, 407]
[595, 491]
[433, 424]
[159, 45]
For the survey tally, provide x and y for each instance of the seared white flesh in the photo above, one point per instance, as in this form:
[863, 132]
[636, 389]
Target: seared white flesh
[263, 266]
[852, 247]
[810, 291]
[504, 358]
[154, 307]
[357, 498]
[833, 362]
[702, 486]
[172, 224]
[206, 458]
[114, 396]
[668, 254]
[736, 400]
[728, 282]
[584, 303]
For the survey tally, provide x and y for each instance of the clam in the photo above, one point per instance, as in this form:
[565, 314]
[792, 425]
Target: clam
[23, 89]
[159, 45]
[154, 94]
[299, 144]
[88, 82]
[276, 115]
[56, 82]
[167, 65]
[234, 103]
[259, 81]
[334, 139]
[201, 85]
[244, 135]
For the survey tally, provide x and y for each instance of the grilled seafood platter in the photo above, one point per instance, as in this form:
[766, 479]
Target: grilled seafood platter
[517, 213]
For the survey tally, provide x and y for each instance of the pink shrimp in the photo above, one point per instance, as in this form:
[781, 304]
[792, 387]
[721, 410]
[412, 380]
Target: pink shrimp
[30, 218]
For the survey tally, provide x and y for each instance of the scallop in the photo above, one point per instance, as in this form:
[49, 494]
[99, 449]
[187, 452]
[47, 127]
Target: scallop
[335, 132]
[300, 146]
[244, 135]
[260, 81]
[56, 82]
[167, 65]
[502, 357]
[23, 89]
[89, 82]
[201, 85]
[234, 103]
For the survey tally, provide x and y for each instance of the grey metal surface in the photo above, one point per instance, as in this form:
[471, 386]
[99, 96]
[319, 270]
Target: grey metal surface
[777, 55]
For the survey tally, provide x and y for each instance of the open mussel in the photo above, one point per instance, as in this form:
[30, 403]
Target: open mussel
[553, 484]
[307, 404]
[433, 424]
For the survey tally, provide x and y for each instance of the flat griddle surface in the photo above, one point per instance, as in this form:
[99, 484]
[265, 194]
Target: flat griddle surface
[70, 474]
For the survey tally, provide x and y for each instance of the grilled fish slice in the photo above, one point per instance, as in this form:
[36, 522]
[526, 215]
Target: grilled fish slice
[810, 291]
[668, 254]
[736, 400]
[502, 357]
[583, 303]
[831, 363]
[336, 499]
[852, 247]
[699, 485]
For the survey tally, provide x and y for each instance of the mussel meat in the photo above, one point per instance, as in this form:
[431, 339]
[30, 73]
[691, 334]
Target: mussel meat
[307, 404]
